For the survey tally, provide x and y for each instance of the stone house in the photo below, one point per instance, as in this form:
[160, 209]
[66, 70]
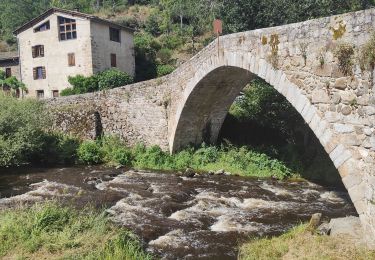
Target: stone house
[61, 43]
[9, 63]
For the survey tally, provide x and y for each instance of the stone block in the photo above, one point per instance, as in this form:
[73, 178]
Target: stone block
[343, 128]
[320, 96]
[341, 83]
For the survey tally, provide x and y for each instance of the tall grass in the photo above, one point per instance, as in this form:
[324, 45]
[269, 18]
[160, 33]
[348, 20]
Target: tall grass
[242, 161]
[299, 243]
[51, 231]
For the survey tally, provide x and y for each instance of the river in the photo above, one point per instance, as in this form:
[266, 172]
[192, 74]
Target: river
[179, 217]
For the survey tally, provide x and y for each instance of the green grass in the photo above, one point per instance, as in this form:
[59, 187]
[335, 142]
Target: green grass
[299, 243]
[242, 161]
[52, 231]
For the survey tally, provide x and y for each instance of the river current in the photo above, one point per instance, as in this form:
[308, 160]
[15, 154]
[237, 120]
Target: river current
[178, 217]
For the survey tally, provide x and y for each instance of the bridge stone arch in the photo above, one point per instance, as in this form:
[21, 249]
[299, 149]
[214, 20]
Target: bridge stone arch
[189, 105]
[321, 93]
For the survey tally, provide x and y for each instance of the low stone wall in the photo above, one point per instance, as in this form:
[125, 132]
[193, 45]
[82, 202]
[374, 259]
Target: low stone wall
[138, 113]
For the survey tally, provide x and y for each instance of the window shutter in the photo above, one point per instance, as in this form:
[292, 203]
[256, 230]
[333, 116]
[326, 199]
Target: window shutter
[44, 72]
[35, 73]
[33, 50]
[113, 60]
[42, 50]
[71, 59]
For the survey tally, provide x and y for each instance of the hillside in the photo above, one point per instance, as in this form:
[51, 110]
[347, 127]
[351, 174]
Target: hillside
[171, 31]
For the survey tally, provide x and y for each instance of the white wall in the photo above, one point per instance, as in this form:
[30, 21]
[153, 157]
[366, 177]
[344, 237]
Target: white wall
[55, 55]
[102, 48]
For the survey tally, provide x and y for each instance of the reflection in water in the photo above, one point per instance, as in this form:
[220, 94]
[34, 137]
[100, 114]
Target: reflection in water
[203, 217]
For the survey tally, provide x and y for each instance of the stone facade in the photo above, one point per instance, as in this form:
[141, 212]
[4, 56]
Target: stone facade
[190, 105]
[92, 50]
[9, 60]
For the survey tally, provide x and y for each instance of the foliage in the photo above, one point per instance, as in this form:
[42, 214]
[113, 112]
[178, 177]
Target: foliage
[107, 79]
[49, 230]
[344, 52]
[367, 55]
[115, 151]
[262, 104]
[21, 133]
[164, 55]
[300, 242]
[82, 84]
[12, 82]
[113, 78]
[163, 70]
[242, 160]
[89, 152]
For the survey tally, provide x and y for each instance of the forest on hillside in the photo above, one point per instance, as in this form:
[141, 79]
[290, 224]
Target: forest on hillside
[171, 31]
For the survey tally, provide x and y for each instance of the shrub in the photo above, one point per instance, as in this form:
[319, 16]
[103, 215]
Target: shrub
[344, 52]
[164, 55]
[115, 151]
[89, 152]
[22, 136]
[82, 84]
[367, 55]
[163, 70]
[68, 92]
[150, 158]
[113, 78]
[152, 24]
[171, 41]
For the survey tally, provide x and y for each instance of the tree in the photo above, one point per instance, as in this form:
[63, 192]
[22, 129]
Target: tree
[11, 82]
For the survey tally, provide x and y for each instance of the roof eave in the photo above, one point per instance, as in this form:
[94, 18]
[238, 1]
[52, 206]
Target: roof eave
[73, 13]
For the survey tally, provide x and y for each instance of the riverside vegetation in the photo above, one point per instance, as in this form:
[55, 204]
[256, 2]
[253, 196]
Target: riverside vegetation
[299, 243]
[52, 231]
[25, 139]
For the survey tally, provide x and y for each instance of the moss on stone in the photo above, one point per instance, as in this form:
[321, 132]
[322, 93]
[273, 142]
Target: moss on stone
[340, 31]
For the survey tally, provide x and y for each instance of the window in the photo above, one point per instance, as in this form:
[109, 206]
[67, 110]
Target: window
[8, 72]
[67, 29]
[40, 94]
[113, 60]
[43, 27]
[114, 34]
[55, 93]
[38, 51]
[71, 59]
[39, 73]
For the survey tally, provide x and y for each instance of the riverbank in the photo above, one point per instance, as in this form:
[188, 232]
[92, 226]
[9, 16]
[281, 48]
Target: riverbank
[299, 243]
[51, 231]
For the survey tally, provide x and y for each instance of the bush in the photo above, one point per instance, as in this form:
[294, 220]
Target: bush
[82, 84]
[163, 70]
[107, 79]
[344, 52]
[89, 152]
[115, 152]
[172, 41]
[113, 78]
[22, 136]
[68, 92]
[152, 24]
[164, 55]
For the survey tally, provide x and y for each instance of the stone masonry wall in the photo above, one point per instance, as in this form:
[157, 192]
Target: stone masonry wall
[137, 113]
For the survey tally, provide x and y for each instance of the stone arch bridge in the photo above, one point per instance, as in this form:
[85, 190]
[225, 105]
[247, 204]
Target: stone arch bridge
[190, 105]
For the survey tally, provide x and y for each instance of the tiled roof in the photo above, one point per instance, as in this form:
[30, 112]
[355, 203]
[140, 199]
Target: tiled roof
[8, 56]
